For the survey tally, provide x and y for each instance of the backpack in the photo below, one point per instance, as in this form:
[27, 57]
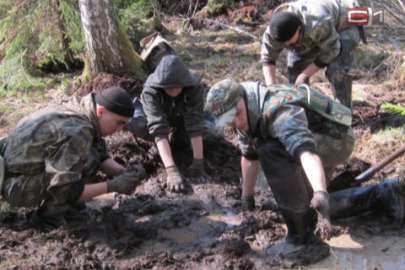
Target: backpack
[309, 98]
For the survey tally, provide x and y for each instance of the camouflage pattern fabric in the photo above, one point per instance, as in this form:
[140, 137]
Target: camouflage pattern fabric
[272, 117]
[221, 101]
[320, 39]
[337, 71]
[327, 40]
[278, 136]
[52, 153]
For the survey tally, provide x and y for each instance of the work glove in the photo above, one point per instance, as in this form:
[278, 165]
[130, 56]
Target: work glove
[248, 203]
[320, 202]
[196, 171]
[126, 182]
[174, 180]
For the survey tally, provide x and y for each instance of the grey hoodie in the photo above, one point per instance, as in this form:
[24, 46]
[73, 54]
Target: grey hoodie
[162, 111]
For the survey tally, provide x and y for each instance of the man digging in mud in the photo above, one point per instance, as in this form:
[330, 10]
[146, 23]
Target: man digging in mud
[317, 35]
[53, 153]
[297, 146]
[170, 113]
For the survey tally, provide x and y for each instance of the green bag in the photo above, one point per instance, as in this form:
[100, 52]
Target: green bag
[311, 99]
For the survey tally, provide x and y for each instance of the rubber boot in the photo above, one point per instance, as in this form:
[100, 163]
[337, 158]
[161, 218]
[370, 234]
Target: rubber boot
[300, 226]
[301, 246]
[387, 196]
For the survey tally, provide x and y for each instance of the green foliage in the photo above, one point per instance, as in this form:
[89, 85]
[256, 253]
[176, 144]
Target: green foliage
[393, 108]
[71, 17]
[35, 27]
[15, 77]
[32, 33]
[133, 17]
[389, 135]
[38, 32]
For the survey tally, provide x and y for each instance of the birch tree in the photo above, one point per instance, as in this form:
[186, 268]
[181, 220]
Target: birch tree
[108, 48]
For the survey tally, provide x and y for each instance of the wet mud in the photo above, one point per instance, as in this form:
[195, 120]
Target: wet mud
[203, 228]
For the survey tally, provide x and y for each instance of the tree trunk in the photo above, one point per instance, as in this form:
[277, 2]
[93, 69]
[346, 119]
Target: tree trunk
[108, 47]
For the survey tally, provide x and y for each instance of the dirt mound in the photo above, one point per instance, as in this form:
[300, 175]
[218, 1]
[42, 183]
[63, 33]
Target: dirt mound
[104, 80]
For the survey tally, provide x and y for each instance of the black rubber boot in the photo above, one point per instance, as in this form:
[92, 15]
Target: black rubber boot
[301, 246]
[300, 226]
[387, 196]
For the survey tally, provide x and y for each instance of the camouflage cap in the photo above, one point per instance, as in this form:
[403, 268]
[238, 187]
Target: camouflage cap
[223, 96]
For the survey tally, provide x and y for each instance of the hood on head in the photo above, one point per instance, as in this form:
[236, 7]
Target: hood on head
[171, 72]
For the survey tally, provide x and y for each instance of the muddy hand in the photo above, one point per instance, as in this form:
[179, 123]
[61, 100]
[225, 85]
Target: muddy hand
[126, 182]
[320, 202]
[174, 180]
[196, 171]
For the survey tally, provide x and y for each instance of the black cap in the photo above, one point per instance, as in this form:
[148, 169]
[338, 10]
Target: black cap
[116, 100]
[283, 25]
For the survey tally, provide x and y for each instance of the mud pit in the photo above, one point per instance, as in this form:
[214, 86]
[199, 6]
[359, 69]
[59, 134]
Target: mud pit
[203, 228]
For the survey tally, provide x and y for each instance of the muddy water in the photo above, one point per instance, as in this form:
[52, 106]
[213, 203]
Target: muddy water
[201, 229]
[376, 252]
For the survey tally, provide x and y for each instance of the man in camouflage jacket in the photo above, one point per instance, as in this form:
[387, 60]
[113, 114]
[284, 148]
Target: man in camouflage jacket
[296, 148]
[171, 103]
[53, 153]
[298, 145]
[317, 35]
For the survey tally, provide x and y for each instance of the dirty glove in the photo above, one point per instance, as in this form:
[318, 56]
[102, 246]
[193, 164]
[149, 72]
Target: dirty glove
[174, 180]
[248, 203]
[196, 171]
[126, 182]
[320, 202]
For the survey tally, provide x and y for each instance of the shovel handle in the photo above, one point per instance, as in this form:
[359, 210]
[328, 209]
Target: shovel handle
[367, 174]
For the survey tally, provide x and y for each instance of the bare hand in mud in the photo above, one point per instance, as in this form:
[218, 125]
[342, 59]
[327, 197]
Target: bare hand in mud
[320, 202]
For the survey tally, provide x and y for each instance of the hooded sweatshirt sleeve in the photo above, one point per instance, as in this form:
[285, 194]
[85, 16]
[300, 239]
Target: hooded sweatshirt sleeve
[193, 116]
[156, 117]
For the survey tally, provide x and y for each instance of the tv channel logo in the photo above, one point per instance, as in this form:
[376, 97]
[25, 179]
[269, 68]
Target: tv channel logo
[365, 16]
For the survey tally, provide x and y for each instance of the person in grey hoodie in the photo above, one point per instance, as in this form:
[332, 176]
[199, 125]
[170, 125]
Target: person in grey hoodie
[171, 106]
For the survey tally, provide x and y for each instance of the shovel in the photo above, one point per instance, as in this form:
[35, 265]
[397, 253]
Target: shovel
[347, 180]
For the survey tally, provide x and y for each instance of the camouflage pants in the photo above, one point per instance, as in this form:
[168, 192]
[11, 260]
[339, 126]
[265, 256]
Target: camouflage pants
[337, 72]
[32, 191]
[286, 176]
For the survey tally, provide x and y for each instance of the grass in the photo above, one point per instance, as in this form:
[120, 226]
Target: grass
[390, 135]
[15, 78]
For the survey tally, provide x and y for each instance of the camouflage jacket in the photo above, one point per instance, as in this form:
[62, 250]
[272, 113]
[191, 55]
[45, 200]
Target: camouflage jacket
[323, 20]
[291, 124]
[63, 144]
[164, 112]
